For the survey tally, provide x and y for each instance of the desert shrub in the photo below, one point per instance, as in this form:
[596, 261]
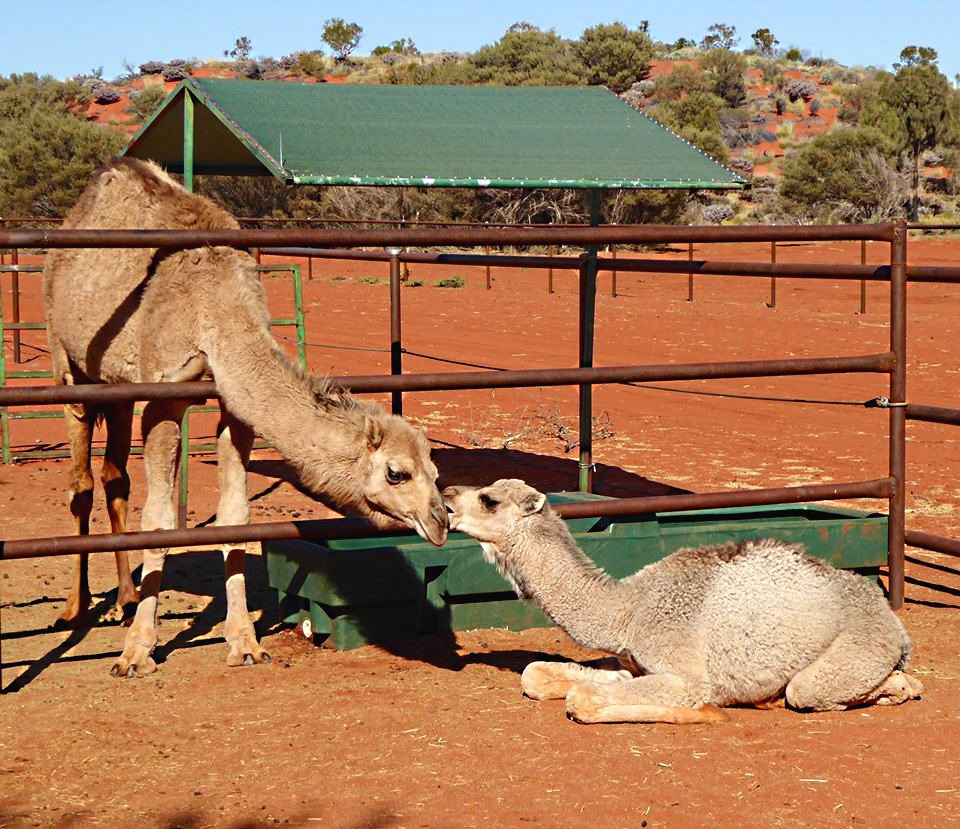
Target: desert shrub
[176, 70]
[800, 89]
[724, 72]
[716, 213]
[450, 282]
[106, 95]
[528, 56]
[143, 103]
[48, 149]
[845, 175]
[793, 54]
[152, 67]
[614, 55]
[248, 69]
[814, 107]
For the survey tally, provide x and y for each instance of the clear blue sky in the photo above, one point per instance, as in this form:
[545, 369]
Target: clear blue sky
[68, 37]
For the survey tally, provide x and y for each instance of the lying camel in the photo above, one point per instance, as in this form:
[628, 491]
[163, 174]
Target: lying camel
[146, 315]
[749, 623]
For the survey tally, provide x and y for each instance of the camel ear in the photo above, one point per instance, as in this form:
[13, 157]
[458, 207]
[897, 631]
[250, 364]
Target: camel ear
[533, 502]
[374, 433]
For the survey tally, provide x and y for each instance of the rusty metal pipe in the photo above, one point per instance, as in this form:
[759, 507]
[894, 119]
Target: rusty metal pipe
[929, 541]
[460, 380]
[358, 528]
[420, 237]
[933, 414]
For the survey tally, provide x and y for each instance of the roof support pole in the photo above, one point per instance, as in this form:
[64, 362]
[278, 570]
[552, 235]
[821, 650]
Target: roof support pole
[396, 344]
[188, 122]
[588, 306]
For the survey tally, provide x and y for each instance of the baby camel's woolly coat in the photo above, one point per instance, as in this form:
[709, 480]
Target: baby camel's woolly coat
[739, 620]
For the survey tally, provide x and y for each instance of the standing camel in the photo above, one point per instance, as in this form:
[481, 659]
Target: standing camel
[145, 315]
[754, 623]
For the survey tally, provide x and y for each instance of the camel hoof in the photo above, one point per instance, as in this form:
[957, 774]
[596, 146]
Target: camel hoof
[133, 670]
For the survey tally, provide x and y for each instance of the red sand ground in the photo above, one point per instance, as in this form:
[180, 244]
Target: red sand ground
[434, 732]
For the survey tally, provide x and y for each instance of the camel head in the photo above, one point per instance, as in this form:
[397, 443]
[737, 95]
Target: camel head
[398, 480]
[489, 513]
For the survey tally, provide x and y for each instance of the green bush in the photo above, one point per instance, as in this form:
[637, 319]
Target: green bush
[450, 282]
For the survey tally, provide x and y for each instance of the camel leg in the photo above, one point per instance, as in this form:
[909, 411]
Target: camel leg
[161, 440]
[664, 698]
[848, 674]
[234, 441]
[116, 487]
[79, 422]
[553, 680]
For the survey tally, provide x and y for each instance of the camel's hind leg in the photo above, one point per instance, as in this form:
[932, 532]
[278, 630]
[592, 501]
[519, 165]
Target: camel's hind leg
[553, 680]
[664, 698]
[234, 441]
[79, 420]
[161, 441]
[851, 673]
[116, 487]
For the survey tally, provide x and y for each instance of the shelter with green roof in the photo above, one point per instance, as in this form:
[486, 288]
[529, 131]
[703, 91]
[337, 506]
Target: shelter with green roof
[420, 136]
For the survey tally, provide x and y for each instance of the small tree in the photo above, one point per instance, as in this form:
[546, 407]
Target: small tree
[341, 37]
[764, 42]
[917, 56]
[720, 36]
[615, 56]
[241, 49]
[913, 109]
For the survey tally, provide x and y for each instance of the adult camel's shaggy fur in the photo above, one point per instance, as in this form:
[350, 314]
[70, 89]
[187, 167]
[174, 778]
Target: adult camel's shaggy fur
[147, 315]
[748, 623]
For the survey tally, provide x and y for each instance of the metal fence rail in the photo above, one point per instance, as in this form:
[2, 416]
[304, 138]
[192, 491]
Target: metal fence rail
[891, 363]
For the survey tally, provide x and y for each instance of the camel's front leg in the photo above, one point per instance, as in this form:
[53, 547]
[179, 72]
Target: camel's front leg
[161, 439]
[234, 442]
[553, 680]
[665, 698]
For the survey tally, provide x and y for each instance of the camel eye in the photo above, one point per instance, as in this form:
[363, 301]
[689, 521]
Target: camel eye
[488, 503]
[396, 476]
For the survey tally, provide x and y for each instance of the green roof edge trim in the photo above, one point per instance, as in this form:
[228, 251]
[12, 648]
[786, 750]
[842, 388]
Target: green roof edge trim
[573, 184]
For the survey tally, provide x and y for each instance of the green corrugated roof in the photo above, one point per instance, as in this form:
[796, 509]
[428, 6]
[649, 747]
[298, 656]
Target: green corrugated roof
[456, 136]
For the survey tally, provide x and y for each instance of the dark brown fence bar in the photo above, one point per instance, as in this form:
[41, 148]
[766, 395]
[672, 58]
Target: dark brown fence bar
[878, 273]
[933, 414]
[417, 237]
[355, 527]
[461, 380]
[929, 541]
[928, 273]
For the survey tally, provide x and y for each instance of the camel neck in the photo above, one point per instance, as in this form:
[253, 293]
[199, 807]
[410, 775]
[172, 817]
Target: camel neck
[316, 432]
[547, 565]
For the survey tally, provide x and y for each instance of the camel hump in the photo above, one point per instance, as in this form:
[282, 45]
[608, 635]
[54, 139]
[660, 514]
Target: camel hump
[132, 193]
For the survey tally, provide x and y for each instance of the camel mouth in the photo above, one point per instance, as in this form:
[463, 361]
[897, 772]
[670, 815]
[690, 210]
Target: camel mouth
[437, 538]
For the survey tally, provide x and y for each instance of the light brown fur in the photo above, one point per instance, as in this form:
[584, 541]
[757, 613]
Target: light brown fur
[143, 315]
[731, 624]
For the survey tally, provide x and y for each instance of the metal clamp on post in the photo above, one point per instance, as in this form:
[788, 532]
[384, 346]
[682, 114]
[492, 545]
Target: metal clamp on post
[883, 403]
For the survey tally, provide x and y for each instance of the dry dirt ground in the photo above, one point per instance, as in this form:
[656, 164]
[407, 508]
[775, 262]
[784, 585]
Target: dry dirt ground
[433, 732]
